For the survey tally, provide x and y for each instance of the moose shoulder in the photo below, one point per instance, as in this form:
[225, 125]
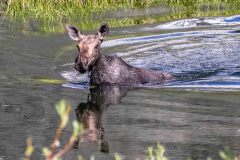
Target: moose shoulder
[109, 69]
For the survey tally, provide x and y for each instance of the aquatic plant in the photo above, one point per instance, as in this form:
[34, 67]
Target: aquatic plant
[63, 109]
[227, 154]
[29, 149]
[156, 153]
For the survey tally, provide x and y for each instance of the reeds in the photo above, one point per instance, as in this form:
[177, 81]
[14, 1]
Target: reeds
[51, 15]
[49, 9]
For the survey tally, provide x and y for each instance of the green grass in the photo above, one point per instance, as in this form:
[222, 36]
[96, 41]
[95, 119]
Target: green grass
[50, 9]
[52, 15]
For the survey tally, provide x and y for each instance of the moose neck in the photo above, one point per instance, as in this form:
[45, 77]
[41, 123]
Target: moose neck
[99, 69]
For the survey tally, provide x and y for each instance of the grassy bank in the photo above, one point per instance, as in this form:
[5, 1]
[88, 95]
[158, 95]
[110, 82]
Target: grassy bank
[51, 15]
[49, 9]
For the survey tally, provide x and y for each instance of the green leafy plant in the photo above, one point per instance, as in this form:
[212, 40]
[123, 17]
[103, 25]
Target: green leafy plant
[227, 154]
[50, 153]
[156, 153]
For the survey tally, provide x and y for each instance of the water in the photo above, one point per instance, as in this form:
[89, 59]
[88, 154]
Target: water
[194, 116]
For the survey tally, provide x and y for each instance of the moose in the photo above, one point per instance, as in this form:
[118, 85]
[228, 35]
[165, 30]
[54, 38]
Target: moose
[109, 69]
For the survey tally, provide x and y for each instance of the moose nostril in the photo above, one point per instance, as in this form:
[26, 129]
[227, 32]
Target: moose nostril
[76, 67]
[76, 59]
[79, 67]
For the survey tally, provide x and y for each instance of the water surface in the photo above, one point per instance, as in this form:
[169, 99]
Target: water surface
[194, 116]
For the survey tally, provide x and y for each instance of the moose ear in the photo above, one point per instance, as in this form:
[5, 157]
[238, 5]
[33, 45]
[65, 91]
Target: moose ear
[74, 33]
[103, 31]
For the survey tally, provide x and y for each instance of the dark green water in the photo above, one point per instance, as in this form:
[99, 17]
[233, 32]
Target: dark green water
[195, 116]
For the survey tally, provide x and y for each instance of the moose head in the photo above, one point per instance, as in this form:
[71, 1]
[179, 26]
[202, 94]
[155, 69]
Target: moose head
[88, 46]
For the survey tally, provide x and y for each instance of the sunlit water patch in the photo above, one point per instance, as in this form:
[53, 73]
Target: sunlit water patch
[198, 22]
[206, 59]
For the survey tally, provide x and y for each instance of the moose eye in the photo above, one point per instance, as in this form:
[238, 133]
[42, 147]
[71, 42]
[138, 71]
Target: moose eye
[96, 47]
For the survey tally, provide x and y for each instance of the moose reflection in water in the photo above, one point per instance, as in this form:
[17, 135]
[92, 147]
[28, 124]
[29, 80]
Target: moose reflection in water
[90, 113]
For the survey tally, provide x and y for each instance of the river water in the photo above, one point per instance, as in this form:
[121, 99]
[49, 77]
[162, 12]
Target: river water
[196, 115]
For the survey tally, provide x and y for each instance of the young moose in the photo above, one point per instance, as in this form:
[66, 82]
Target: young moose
[109, 69]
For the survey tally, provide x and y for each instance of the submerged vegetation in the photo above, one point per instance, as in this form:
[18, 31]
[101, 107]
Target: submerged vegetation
[51, 15]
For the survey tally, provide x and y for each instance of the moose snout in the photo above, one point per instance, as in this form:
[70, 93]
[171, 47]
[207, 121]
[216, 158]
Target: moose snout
[80, 67]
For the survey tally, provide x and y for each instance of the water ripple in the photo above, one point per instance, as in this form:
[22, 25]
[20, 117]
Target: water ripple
[198, 22]
[199, 59]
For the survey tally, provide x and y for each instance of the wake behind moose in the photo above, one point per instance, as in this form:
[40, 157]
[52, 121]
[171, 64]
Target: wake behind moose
[109, 69]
